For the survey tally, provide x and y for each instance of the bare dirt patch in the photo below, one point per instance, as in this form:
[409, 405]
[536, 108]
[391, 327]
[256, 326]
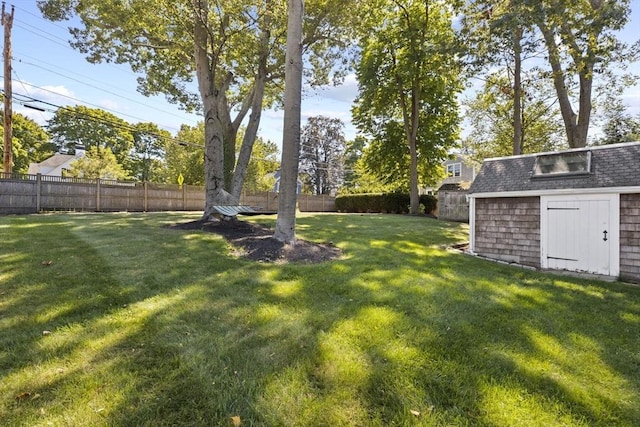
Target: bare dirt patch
[256, 242]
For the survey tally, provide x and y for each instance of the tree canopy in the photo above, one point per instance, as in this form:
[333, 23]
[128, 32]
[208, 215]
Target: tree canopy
[98, 163]
[408, 82]
[577, 41]
[31, 143]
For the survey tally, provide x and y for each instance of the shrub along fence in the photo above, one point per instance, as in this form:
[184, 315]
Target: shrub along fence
[383, 202]
[21, 194]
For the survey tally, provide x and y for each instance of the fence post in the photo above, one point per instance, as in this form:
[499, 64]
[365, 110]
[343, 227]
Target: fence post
[38, 192]
[98, 195]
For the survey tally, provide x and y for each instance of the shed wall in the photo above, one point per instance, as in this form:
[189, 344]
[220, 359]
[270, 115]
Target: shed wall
[508, 229]
[630, 237]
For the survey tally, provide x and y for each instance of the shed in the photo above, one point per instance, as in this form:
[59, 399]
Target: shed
[576, 210]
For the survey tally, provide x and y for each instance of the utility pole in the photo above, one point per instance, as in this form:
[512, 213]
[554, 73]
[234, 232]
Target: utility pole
[7, 22]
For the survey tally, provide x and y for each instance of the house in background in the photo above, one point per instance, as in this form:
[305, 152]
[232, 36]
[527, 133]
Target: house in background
[576, 210]
[452, 191]
[458, 170]
[56, 164]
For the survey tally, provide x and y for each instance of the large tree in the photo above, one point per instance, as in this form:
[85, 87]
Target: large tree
[408, 75]
[322, 147]
[581, 45]
[619, 126]
[387, 157]
[500, 35]
[233, 49]
[489, 116]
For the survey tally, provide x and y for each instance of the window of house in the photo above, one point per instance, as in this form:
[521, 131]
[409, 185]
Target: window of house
[454, 169]
[562, 164]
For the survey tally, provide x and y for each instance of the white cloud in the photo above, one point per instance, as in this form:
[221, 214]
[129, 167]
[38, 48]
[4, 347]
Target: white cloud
[109, 104]
[346, 92]
[52, 93]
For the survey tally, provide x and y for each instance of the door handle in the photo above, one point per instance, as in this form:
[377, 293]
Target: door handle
[605, 235]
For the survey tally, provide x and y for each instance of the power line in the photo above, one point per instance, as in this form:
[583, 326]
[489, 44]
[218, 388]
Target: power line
[25, 99]
[56, 39]
[81, 101]
[98, 88]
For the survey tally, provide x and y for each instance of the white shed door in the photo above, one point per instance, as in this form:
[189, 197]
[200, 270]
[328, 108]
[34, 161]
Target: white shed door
[578, 235]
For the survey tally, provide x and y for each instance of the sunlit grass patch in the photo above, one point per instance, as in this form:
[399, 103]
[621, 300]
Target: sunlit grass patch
[134, 323]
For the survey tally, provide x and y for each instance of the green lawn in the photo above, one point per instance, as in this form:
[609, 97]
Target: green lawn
[136, 324]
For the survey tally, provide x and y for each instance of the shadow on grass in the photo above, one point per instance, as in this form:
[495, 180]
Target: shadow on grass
[400, 325]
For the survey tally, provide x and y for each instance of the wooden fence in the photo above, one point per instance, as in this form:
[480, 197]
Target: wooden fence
[453, 206]
[20, 194]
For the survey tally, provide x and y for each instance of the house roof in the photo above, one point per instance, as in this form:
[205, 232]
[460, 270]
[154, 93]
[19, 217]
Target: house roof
[611, 166]
[458, 186]
[50, 164]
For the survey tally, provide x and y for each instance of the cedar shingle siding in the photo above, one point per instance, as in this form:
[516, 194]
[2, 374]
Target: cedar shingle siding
[508, 229]
[630, 236]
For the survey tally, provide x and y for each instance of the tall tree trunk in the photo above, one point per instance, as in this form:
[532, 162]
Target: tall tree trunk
[287, 199]
[576, 125]
[251, 132]
[213, 128]
[517, 91]
[414, 197]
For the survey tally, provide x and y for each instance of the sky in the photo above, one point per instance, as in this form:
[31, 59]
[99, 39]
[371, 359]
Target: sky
[46, 68]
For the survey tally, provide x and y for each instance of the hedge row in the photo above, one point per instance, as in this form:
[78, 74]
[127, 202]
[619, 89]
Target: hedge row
[384, 203]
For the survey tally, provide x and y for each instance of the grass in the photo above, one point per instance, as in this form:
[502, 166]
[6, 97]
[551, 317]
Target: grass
[136, 324]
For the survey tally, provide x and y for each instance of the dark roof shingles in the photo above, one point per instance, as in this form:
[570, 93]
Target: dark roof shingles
[615, 166]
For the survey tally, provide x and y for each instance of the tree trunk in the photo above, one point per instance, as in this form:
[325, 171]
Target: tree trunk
[576, 127]
[287, 199]
[213, 126]
[256, 113]
[414, 197]
[517, 91]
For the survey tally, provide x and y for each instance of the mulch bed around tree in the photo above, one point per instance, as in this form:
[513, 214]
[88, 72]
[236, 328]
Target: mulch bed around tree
[255, 242]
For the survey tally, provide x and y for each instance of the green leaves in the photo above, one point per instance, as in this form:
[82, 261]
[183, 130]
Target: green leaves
[408, 80]
[99, 163]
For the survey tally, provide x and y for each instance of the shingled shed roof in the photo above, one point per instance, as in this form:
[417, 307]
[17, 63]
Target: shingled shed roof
[611, 166]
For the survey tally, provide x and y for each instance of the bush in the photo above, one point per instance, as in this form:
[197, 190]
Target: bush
[429, 202]
[382, 203]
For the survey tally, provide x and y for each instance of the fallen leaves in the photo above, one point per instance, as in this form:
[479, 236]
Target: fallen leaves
[47, 263]
[23, 396]
[26, 395]
[235, 421]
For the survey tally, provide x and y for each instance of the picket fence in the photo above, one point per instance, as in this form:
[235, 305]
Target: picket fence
[22, 194]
